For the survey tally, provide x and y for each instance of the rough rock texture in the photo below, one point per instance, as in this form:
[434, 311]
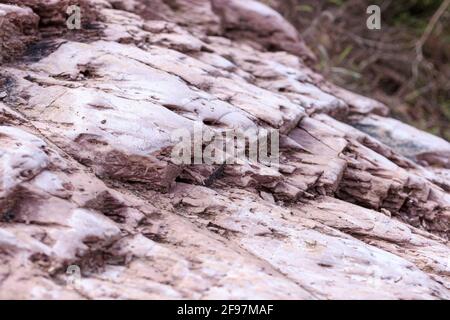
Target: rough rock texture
[18, 28]
[358, 208]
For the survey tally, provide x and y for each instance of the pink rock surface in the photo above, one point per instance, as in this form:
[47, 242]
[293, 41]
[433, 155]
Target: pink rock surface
[86, 177]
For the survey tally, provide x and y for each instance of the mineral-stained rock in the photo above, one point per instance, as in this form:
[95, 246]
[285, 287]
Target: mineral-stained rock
[18, 28]
[357, 207]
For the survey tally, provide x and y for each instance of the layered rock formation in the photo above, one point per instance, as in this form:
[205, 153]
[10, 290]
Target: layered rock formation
[359, 206]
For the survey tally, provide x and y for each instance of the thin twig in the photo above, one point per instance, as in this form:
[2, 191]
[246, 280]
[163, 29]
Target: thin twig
[428, 30]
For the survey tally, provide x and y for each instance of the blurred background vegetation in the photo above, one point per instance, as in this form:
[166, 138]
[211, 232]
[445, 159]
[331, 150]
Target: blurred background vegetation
[406, 64]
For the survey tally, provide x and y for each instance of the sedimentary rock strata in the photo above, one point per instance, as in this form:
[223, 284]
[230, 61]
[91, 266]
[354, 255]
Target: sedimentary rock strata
[18, 28]
[359, 206]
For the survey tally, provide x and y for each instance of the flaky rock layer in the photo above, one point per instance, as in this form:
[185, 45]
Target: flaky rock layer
[359, 206]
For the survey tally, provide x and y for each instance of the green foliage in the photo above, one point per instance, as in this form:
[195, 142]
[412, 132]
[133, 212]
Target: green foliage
[385, 65]
[304, 8]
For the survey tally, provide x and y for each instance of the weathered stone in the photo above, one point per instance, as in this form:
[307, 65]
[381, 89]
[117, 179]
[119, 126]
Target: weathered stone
[358, 206]
[18, 28]
[253, 20]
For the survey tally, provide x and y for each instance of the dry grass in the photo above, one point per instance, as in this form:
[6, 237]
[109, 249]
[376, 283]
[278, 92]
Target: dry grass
[406, 64]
